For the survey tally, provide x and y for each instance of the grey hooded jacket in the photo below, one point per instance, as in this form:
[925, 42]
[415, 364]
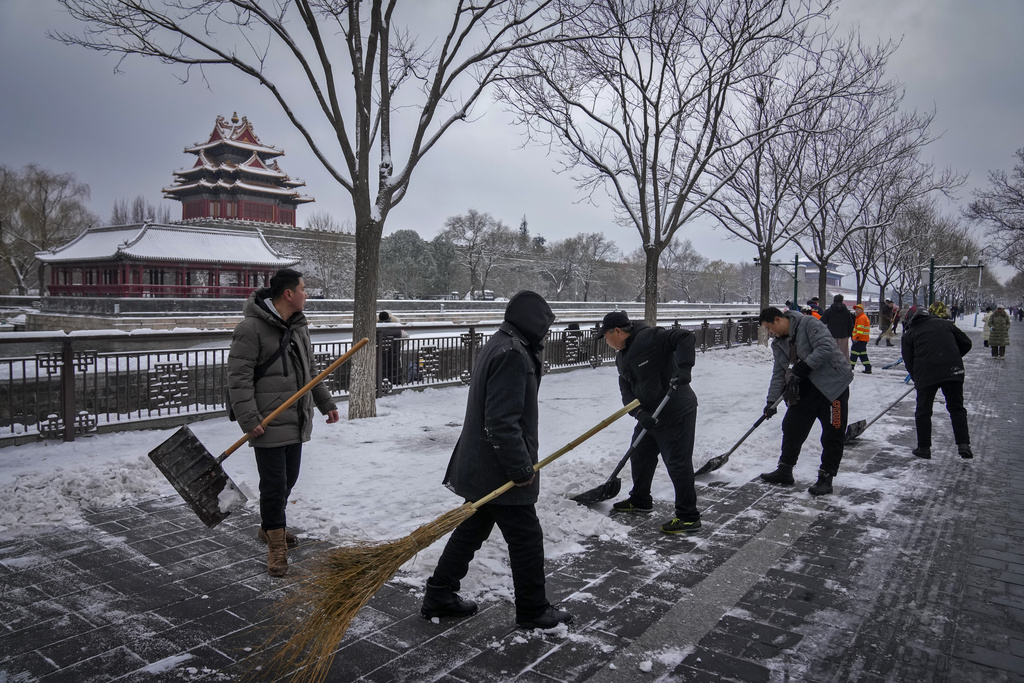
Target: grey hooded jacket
[499, 434]
[255, 340]
[830, 369]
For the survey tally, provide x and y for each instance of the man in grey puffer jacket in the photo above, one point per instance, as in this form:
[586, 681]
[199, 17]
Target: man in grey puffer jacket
[814, 376]
[499, 444]
[270, 359]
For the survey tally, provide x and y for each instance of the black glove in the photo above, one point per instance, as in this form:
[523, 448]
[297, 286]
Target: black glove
[646, 420]
[525, 481]
[770, 410]
[792, 392]
[801, 370]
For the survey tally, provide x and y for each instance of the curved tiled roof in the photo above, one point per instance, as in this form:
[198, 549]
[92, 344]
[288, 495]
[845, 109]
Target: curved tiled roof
[161, 242]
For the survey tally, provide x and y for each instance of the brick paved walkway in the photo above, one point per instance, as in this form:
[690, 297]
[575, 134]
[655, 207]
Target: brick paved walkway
[923, 581]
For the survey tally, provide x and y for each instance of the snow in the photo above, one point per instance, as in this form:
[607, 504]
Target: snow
[380, 478]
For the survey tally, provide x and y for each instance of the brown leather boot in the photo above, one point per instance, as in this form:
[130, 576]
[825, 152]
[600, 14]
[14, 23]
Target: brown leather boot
[289, 538]
[277, 553]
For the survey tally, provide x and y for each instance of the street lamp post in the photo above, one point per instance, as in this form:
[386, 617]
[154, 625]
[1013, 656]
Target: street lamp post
[961, 266]
[797, 272]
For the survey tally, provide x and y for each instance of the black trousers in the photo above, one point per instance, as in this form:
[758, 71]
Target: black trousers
[801, 416]
[675, 444]
[520, 527]
[279, 470]
[954, 393]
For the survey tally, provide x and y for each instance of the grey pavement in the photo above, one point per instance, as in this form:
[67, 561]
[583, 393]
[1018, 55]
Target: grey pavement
[922, 582]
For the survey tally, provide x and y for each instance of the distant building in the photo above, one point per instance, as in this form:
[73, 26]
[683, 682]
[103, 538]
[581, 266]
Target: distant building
[238, 224]
[153, 260]
[235, 176]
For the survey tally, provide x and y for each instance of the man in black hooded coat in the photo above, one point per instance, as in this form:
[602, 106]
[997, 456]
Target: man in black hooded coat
[933, 350]
[498, 444]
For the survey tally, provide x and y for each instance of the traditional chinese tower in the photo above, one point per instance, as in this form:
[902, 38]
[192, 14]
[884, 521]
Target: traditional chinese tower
[236, 177]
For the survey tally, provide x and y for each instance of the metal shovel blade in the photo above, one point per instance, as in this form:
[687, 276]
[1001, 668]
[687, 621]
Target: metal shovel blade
[712, 464]
[198, 477]
[854, 430]
[605, 491]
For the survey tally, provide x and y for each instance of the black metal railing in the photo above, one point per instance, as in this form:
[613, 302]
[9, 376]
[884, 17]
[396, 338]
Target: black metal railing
[64, 392]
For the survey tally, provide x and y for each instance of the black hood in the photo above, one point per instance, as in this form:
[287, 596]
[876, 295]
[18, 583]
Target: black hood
[529, 313]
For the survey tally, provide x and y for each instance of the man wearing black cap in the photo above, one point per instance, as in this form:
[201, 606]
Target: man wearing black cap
[648, 359]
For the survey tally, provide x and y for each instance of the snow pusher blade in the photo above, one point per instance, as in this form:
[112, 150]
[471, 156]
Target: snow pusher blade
[857, 428]
[198, 476]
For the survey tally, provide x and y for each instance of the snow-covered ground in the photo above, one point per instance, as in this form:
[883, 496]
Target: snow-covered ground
[381, 478]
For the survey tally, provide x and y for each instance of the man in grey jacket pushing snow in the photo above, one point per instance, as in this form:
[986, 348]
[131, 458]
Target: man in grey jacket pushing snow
[814, 377]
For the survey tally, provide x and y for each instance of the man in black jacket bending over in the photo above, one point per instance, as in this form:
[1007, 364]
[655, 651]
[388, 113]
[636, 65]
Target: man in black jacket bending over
[648, 359]
[498, 444]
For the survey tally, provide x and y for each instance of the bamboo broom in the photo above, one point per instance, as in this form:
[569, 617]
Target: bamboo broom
[343, 581]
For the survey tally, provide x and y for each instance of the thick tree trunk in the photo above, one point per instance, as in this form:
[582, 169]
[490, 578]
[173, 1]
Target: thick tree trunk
[362, 401]
[651, 285]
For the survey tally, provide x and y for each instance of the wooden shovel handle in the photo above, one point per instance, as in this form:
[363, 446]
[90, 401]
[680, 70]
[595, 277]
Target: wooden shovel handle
[560, 452]
[298, 394]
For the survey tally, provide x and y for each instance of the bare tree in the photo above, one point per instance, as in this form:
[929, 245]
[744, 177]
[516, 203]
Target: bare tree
[595, 251]
[683, 266]
[644, 107]
[1001, 208]
[289, 48]
[329, 255]
[138, 211]
[559, 268]
[467, 232]
[39, 210]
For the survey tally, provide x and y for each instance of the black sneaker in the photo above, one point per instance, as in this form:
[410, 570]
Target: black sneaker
[923, 452]
[628, 506]
[965, 451]
[550, 618]
[678, 526]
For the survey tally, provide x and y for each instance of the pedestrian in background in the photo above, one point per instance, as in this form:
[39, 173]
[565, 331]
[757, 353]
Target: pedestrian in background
[270, 359]
[985, 331]
[861, 337]
[933, 351]
[839, 321]
[813, 375]
[389, 336]
[885, 323]
[648, 360]
[999, 332]
[499, 444]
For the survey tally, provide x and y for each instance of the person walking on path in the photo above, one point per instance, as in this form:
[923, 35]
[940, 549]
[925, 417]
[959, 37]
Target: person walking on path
[648, 360]
[270, 359]
[933, 351]
[998, 326]
[984, 326]
[839, 321]
[813, 375]
[861, 337]
[498, 444]
[885, 323]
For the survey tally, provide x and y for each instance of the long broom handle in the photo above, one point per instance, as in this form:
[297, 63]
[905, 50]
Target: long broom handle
[755, 426]
[297, 395]
[643, 432]
[560, 452]
[889, 407]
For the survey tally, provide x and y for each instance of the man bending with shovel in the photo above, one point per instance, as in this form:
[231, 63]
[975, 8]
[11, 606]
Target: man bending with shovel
[815, 378]
[270, 359]
[650, 360]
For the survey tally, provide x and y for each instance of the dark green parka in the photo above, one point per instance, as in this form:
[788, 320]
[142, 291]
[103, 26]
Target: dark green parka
[256, 339]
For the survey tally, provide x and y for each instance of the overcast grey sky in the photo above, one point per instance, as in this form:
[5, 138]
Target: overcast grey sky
[65, 109]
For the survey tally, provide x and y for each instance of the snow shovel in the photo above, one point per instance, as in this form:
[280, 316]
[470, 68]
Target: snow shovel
[858, 427]
[719, 460]
[198, 476]
[611, 488]
[892, 365]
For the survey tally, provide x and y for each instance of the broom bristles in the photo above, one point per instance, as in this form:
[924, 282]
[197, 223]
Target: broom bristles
[337, 586]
